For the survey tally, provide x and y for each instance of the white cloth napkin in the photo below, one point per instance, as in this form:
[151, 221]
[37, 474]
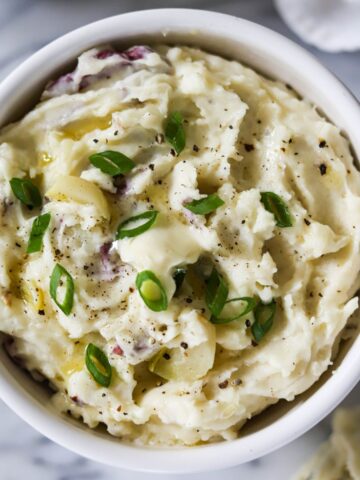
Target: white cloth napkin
[332, 25]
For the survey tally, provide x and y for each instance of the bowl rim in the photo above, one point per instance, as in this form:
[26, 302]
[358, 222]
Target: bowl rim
[299, 419]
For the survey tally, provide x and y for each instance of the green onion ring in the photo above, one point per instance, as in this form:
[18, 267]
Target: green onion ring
[123, 232]
[112, 163]
[174, 132]
[250, 305]
[276, 205]
[93, 356]
[264, 315]
[205, 205]
[216, 293]
[58, 273]
[38, 229]
[26, 192]
[151, 291]
[179, 276]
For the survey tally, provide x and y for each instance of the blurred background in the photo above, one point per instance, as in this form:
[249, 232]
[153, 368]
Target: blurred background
[330, 30]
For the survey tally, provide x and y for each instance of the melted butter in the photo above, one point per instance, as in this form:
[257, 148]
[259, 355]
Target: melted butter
[167, 244]
[76, 363]
[78, 128]
[32, 294]
[44, 159]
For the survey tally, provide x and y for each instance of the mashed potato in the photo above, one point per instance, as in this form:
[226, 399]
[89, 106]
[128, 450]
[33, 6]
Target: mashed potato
[339, 457]
[244, 192]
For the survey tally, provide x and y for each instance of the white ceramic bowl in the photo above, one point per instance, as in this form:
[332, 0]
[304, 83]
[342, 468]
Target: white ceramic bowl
[273, 55]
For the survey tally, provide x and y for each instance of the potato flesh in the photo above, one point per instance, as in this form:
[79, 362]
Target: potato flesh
[69, 188]
[186, 365]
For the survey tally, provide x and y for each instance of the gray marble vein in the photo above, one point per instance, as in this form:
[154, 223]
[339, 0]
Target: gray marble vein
[25, 26]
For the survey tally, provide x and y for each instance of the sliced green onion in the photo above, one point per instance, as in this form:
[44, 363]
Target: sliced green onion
[178, 276]
[111, 162]
[276, 205]
[98, 365]
[205, 205]
[264, 315]
[39, 226]
[174, 132]
[59, 273]
[216, 293]
[151, 291]
[124, 229]
[247, 305]
[26, 192]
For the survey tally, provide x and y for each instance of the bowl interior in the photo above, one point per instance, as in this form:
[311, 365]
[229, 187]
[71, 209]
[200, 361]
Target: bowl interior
[236, 39]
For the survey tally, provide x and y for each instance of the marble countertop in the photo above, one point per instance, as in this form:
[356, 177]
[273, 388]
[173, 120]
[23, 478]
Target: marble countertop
[27, 25]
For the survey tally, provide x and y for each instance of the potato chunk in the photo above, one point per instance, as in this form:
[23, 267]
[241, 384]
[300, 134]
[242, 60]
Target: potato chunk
[69, 188]
[186, 364]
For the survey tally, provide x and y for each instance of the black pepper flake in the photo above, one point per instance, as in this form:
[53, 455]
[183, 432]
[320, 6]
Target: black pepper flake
[231, 127]
[159, 138]
[248, 147]
[224, 384]
[173, 153]
[188, 300]
[166, 356]
[195, 148]
[247, 323]
[95, 140]
[237, 381]
[41, 312]
[322, 169]
[307, 222]
[184, 345]
[116, 132]
[322, 144]
[17, 244]
[152, 166]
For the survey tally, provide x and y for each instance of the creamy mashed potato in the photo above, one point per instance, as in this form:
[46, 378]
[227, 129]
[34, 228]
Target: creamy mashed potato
[339, 457]
[189, 125]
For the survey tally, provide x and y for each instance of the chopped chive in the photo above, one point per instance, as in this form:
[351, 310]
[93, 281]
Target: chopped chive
[124, 231]
[39, 226]
[174, 132]
[276, 205]
[247, 304]
[179, 276]
[216, 293]
[205, 205]
[59, 273]
[111, 162]
[264, 315]
[26, 192]
[151, 291]
[98, 365]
